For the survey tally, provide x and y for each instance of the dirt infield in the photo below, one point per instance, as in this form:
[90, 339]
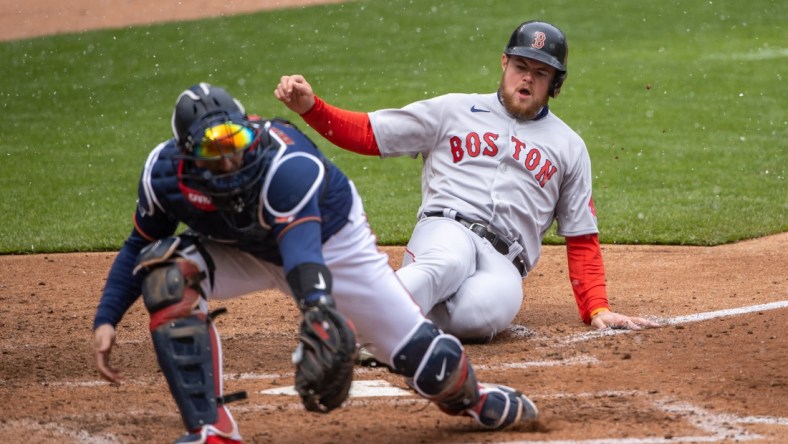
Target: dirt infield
[708, 375]
[717, 371]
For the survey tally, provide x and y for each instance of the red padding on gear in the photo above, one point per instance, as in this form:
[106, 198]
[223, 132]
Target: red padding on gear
[225, 424]
[182, 309]
[185, 307]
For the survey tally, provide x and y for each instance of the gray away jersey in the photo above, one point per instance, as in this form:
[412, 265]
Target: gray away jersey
[481, 162]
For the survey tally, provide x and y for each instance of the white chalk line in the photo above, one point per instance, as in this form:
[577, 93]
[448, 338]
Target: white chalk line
[720, 427]
[727, 312]
[770, 420]
[146, 380]
[81, 436]
[680, 320]
[358, 389]
[575, 360]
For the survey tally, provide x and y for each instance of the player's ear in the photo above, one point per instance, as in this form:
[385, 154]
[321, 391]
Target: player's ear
[504, 61]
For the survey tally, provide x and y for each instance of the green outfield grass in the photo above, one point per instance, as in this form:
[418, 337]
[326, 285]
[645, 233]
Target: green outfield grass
[682, 105]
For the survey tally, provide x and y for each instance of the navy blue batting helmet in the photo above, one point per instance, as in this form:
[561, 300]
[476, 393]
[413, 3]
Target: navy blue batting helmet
[543, 42]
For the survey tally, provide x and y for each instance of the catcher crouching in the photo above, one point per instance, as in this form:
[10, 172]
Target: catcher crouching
[264, 209]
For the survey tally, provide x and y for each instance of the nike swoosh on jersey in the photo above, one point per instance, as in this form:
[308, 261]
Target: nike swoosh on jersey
[478, 110]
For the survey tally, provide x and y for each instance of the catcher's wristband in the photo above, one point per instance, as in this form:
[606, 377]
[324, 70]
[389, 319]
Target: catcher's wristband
[311, 284]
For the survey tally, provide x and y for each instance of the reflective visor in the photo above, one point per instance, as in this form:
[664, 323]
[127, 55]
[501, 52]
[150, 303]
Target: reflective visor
[223, 139]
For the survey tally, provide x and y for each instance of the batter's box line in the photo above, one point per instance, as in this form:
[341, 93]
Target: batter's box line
[78, 435]
[769, 420]
[575, 360]
[721, 427]
[724, 417]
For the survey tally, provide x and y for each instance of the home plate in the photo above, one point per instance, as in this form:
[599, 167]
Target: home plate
[358, 389]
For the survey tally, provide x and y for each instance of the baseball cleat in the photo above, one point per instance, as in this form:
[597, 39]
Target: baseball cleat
[214, 439]
[196, 438]
[500, 407]
[207, 436]
[365, 359]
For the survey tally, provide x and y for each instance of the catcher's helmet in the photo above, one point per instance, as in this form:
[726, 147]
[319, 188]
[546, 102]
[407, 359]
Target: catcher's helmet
[198, 103]
[543, 42]
[208, 123]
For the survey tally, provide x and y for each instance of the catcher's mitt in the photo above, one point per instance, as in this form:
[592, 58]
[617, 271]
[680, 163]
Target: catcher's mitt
[324, 358]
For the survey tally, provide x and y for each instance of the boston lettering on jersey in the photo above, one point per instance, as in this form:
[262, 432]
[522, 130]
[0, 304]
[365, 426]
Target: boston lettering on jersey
[475, 145]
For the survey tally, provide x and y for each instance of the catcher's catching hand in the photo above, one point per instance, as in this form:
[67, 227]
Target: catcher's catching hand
[324, 358]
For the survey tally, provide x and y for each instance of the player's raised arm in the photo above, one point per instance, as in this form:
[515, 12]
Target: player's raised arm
[296, 93]
[350, 130]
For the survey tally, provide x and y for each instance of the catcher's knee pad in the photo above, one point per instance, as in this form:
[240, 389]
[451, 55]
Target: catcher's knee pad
[437, 368]
[171, 289]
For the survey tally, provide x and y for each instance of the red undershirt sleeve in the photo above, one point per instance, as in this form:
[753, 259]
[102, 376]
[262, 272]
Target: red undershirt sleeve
[587, 275]
[346, 129]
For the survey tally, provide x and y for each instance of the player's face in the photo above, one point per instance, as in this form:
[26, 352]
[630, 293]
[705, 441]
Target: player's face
[222, 165]
[525, 86]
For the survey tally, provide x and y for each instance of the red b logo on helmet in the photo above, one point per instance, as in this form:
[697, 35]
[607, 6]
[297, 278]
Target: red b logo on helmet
[539, 39]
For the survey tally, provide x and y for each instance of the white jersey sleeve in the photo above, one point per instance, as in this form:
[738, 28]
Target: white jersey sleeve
[575, 214]
[411, 130]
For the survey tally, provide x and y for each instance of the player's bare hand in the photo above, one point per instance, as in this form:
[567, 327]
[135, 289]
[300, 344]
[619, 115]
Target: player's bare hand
[103, 340]
[609, 319]
[296, 93]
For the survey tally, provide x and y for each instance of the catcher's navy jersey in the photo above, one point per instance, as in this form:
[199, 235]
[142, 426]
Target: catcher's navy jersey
[299, 185]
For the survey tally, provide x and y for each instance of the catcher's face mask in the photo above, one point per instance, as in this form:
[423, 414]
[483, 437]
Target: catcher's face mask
[234, 192]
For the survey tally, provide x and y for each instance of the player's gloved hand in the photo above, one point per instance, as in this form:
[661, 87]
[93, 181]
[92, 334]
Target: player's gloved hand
[324, 357]
[103, 340]
[608, 319]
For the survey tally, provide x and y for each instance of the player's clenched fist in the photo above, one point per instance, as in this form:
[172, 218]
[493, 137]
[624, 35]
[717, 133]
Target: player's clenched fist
[296, 93]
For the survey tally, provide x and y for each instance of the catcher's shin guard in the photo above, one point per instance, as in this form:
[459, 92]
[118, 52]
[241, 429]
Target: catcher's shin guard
[435, 365]
[187, 347]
